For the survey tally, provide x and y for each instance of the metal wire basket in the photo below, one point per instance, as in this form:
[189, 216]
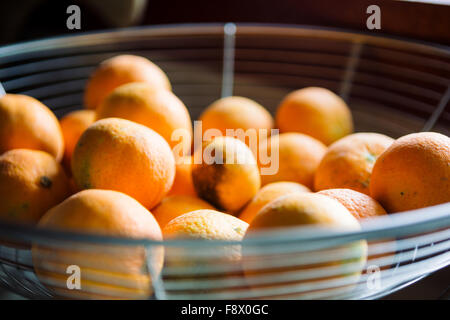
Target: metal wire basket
[392, 86]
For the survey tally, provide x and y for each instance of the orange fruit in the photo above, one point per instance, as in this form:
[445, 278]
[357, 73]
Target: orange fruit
[414, 172]
[73, 125]
[121, 155]
[173, 206]
[31, 182]
[183, 185]
[296, 210]
[267, 194]
[296, 155]
[348, 162]
[206, 225]
[159, 110]
[238, 113]
[73, 186]
[317, 112]
[363, 207]
[119, 70]
[111, 271]
[227, 175]
[360, 205]
[25, 123]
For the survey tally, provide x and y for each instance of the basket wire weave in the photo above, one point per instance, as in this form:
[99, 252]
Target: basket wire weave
[392, 86]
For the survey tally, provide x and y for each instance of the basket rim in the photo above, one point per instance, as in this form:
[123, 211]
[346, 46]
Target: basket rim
[402, 223]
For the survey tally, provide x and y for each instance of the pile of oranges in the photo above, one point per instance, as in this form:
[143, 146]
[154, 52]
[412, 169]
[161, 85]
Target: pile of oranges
[124, 167]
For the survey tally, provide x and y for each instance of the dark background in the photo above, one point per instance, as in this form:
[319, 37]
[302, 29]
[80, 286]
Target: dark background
[30, 19]
[22, 20]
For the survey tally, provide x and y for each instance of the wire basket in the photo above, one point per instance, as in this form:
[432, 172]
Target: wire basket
[392, 86]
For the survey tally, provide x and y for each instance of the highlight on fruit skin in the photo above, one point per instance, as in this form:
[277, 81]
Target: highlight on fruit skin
[317, 112]
[267, 194]
[31, 182]
[235, 113]
[121, 155]
[413, 173]
[116, 71]
[160, 110]
[295, 155]
[348, 162]
[344, 263]
[225, 174]
[26, 123]
[204, 225]
[173, 206]
[73, 125]
[106, 271]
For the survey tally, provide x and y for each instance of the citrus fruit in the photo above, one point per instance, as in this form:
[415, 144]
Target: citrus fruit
[360, 205]
[295, 156]
[31, 182]
[227, 175]
[414, 172]
[344, 263]
[118, 70]
[204, 225]
[121, 155]
[267, 194]
[238, 113]
[317, 112]
[110, 271]
[159, 110]
[73, 125]
[183, 185]
[364, 208]
[348, 162]
[25, 123]
[173, 206]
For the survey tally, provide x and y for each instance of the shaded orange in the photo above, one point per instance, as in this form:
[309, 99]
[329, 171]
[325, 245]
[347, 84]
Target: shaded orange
[183, 185]
[228, 176]
[73, 125]
[31, 182]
